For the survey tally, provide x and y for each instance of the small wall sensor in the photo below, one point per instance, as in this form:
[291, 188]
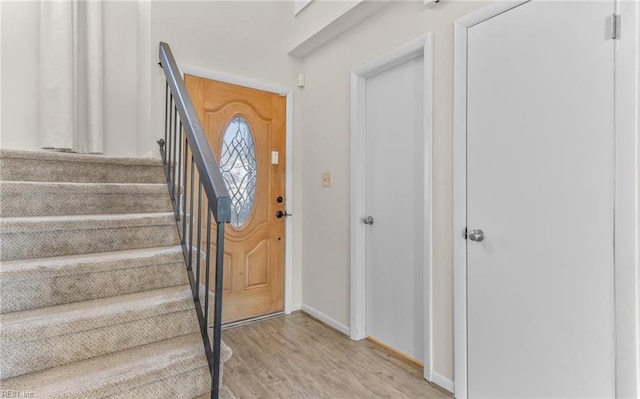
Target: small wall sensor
[431, 3]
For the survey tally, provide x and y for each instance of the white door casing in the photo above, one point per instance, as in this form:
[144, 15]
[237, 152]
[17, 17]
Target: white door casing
[624, 167]
[421, 47]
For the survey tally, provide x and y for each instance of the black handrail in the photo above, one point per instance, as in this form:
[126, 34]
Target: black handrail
[186, 148]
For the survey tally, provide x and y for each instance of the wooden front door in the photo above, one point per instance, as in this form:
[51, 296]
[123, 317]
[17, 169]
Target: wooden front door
[246, 130]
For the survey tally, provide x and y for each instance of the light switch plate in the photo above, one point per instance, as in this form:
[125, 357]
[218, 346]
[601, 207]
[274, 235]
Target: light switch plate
[274, 157]
[326, 179]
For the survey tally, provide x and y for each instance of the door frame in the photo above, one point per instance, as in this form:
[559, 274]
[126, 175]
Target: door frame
[289, 306]
[626, 273]
[422, 46]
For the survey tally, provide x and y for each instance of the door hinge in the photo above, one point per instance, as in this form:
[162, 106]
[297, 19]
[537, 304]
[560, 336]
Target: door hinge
[615, 26]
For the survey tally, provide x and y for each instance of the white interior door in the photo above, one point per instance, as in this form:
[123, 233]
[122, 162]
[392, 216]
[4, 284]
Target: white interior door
[394, 198]
[540, 170]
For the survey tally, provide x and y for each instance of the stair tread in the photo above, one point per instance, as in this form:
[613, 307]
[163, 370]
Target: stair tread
[36, 186]
[71, 157]
[36, 324]
[94, 262]
[84, 222]
[58, 167]
[108, 374]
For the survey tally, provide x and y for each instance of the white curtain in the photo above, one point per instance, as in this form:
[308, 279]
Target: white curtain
[71, 75]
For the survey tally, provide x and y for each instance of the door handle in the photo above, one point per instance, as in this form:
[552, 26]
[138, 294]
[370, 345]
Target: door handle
[367, 220]
[476, 235]
[281, 214]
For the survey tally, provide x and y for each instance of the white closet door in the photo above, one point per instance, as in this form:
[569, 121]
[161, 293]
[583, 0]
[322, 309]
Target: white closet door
[394, 198]
[540, 170]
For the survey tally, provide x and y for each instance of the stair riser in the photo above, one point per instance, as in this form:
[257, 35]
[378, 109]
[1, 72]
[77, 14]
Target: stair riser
[21, 294]
[73, 242]
[45, 170]
[178, 370]
[187, 385]
[18, 358]
[29, 204]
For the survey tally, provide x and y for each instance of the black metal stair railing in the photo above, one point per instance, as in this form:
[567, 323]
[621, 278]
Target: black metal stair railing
[193, 177]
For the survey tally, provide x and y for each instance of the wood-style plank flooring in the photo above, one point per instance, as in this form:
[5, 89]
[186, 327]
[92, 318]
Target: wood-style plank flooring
[296, 356]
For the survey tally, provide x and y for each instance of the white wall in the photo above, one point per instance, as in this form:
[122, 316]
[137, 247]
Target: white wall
[120, 78]
[20, 31]
[20, 75]
[325, 101]
[313, 18]
[243, 39]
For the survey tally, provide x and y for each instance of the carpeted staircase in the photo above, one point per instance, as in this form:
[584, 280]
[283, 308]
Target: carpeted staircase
[94, 294]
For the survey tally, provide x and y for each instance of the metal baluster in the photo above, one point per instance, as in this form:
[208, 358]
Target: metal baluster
[166, 111]
[167, 148]
[170, 148]
[213, 369]
[184, 203]
[177, 205]
[217, 321]
[199, 236]
[191, 219]
[172, 129]
[206, 299]
[173, 154]
[208, 262]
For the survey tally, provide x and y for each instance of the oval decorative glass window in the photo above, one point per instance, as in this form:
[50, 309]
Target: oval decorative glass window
[238, 167]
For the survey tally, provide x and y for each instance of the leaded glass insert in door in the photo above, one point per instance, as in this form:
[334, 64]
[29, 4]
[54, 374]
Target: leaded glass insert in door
[238, 167]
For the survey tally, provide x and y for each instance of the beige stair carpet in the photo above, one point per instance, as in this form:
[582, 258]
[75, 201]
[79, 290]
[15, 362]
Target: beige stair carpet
[33, 283]
[20, 198]
[94, 296]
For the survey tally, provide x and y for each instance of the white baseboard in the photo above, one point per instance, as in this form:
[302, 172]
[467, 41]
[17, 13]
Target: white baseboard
[437, 379]
[442, 382]
[326, 319]
[293, 308]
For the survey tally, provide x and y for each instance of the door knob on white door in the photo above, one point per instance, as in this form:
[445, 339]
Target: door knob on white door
[367, 220]
[476, 235]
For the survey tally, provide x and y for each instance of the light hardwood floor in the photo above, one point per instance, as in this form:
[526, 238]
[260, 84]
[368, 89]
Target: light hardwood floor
[296, 356]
